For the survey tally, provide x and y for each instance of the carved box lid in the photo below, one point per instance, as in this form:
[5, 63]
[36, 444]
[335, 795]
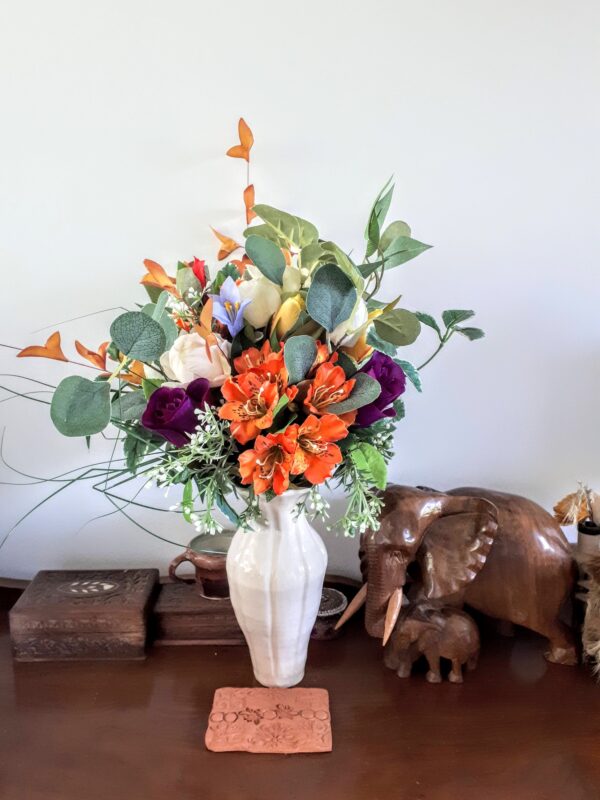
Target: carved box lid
[92, 601]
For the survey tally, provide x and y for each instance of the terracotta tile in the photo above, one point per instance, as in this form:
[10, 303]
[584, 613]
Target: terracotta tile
[270, 721]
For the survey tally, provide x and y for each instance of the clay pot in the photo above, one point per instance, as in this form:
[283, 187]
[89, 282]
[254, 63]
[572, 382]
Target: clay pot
[588, 538]
[208, 554]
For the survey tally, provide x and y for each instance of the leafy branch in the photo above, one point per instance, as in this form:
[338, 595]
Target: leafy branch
[451, 319]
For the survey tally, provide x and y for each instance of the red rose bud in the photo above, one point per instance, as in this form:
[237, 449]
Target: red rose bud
[199, 270]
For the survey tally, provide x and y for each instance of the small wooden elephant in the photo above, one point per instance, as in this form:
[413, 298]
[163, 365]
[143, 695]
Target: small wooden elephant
[435, 633]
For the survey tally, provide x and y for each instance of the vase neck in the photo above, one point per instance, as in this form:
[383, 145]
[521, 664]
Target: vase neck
[280, 513]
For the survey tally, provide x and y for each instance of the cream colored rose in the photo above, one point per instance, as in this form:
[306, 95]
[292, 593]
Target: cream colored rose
[345, 333]
[188, 360]
[265, 298]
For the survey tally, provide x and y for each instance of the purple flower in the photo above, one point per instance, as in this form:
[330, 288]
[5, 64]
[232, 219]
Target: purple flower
[393, 382]
[170, 410]
[228, 306]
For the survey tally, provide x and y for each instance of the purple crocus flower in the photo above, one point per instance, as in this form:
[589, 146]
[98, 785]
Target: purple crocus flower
[392, 381]
[171, 410]
[228, 306]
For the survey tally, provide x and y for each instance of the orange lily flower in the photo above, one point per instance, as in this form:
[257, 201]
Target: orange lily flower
[316, 455]
[264, 360]
[268, 464]
[251, 401]
[329, 386]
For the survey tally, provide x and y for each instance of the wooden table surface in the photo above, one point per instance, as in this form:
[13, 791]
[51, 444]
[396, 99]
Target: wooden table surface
[517, 728]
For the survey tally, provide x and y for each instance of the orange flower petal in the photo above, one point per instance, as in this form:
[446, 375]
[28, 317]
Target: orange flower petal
[242, 150]
[158, 277]
[249, 202]
[229, 245]
[51, 349]
[98, 359]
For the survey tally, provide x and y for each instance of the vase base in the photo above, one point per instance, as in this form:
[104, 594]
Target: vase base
[281, 682]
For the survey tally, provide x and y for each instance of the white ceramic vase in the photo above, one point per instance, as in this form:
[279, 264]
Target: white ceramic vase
[275, 573]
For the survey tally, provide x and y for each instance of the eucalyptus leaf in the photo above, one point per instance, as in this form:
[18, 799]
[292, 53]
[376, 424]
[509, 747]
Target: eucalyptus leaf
[348, 364]
[128, 406]
[80, 407]
[366, 390]
[399, 326]
[453, 316]
[346, 264]
[227, 510]
[331, 297]
[164, 320]
[138, 336]
[268, 257]
[299, 353]
[186, 280]
[393, 230]
[293, 230]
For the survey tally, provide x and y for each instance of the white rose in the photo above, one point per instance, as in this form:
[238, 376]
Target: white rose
[265, 297]
[187, 360]
[344, 333]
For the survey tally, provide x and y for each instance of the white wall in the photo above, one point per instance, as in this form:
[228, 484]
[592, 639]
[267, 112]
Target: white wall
[115, 119]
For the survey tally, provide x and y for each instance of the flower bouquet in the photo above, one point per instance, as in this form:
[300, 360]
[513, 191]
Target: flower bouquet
[261, 381]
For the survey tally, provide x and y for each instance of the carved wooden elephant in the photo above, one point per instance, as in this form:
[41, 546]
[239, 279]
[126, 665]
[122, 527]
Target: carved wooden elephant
[499, 553]
[435, 633]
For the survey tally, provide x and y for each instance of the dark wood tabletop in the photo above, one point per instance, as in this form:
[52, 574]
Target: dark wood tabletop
[518, 728]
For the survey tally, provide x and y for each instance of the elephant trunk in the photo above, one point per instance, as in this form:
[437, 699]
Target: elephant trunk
[387, 575]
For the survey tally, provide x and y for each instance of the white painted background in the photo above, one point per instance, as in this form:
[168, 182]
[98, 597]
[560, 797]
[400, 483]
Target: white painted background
[115, 120]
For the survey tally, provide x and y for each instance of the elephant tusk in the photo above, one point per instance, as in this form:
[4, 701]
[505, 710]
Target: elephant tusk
[357, 602]
[391, 616]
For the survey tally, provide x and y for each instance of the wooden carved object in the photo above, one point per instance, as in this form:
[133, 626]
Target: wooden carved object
[434, 633]
[499, 553]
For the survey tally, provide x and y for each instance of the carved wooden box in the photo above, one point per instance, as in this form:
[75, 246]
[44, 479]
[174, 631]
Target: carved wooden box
[83, 614]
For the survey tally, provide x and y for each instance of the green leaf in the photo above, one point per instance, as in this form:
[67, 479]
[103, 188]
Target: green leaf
[138, 336]
[160, 306]
[227, 510]
[80, 407]
[453, 316]
[150, 385]
[428, 320]
[267, 232]
[128, 406]
[398, 326]
[187, 500]
[365, 391]
[331, 297]
[401, 250]
[164, 320]
[293, 230]
[186, 280]
[348, 364]
[471, 333]
[153, 292]
[299, 353]
[380, 344]
[399, 409]
[346, 264]
[138, 443]
[311, 254]
[369, 460]
[411, 372]
[281, 403]
[228, 271]
[377, 217]
[268, 257]
[393, 231]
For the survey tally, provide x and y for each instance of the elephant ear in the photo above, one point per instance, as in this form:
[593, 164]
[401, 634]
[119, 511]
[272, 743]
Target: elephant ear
[454, 549]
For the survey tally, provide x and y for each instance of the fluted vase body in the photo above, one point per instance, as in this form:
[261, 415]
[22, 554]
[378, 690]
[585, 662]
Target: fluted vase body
[275, 573]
